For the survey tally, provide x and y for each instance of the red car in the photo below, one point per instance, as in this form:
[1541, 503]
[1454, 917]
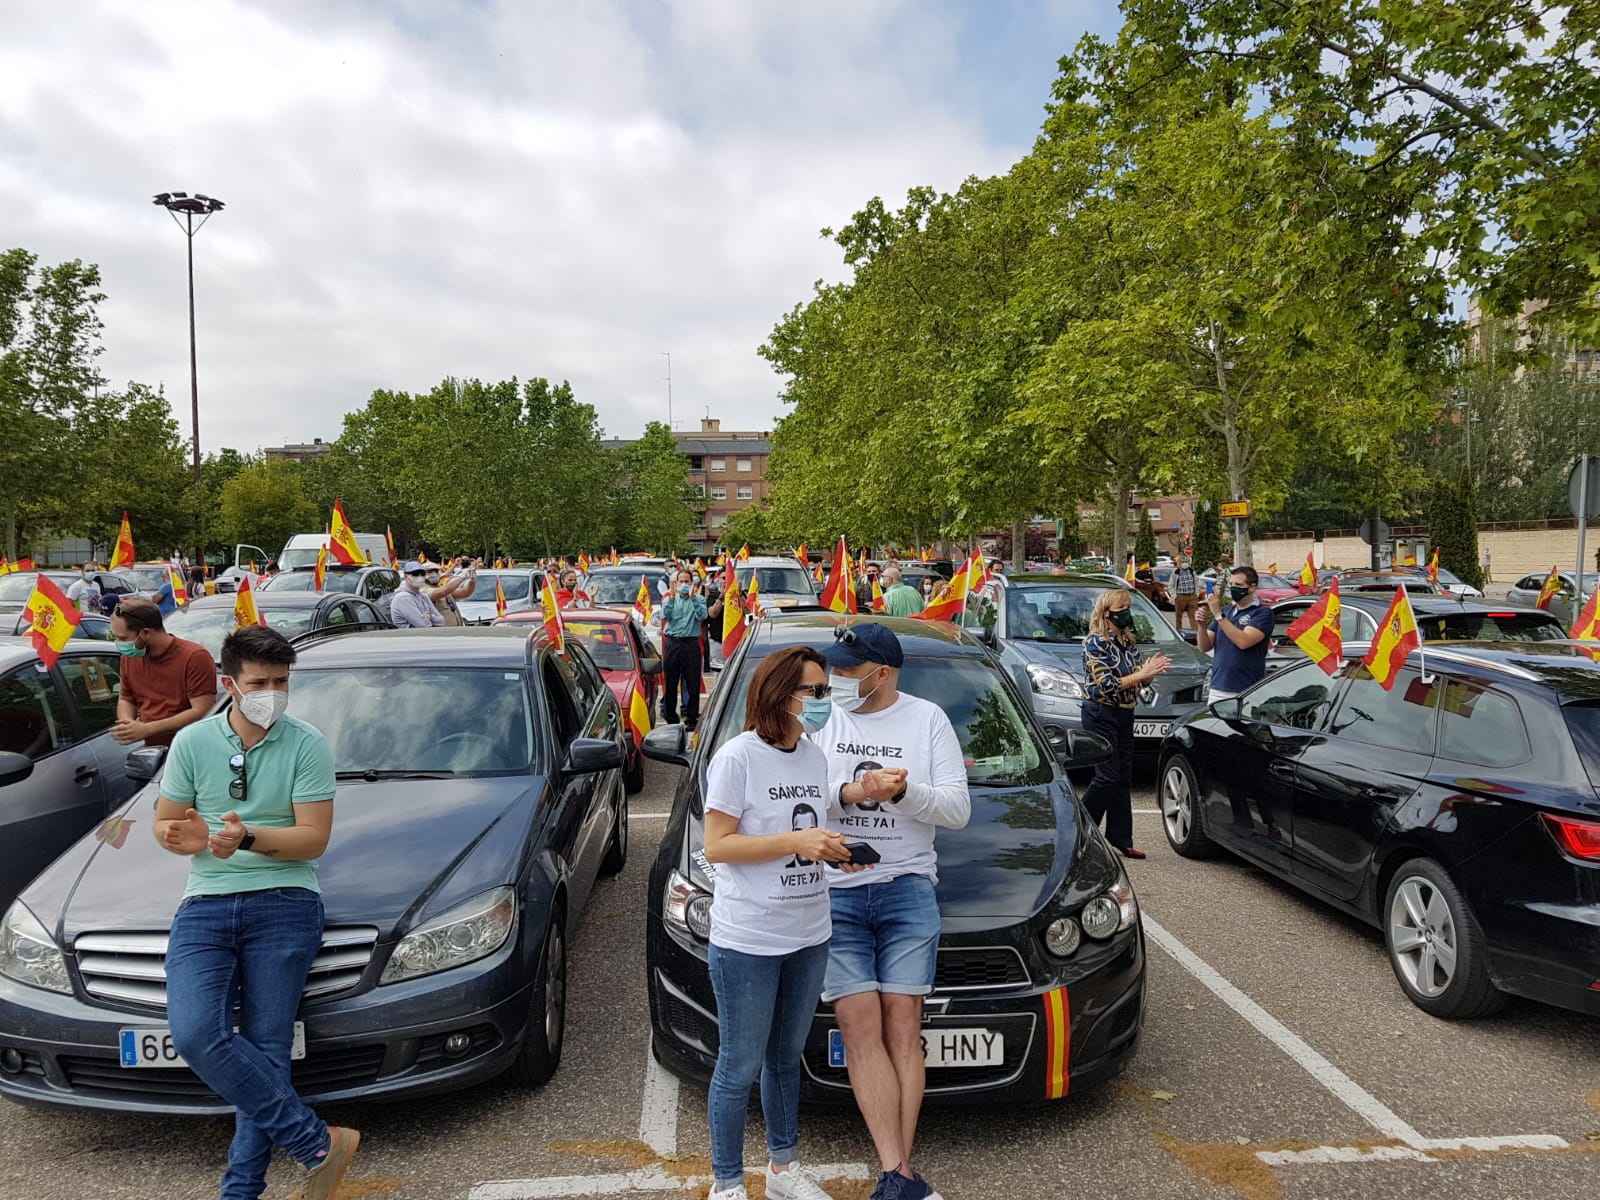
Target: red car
[1273, 588]
[612, 640]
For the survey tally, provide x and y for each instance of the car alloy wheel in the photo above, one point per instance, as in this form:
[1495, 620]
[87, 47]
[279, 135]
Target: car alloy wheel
[1423, 935]
[1434, 944]
[547, 1011]
[1180, 810]
[555, 994]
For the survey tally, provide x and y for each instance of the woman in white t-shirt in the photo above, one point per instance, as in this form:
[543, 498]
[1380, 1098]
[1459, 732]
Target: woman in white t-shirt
[766, 812]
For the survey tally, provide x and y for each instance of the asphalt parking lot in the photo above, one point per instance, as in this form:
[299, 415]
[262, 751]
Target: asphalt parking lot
[1279, 1060]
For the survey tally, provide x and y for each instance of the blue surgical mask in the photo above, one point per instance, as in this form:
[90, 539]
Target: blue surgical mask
[683, 589]
[814, 713]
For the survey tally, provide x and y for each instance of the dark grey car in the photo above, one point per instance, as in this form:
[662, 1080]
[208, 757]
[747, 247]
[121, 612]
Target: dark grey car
[61, 774]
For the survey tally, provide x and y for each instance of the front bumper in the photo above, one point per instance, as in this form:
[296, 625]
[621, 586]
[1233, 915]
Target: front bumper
[377, 1044]
[1099, 1005]
[1053, 710]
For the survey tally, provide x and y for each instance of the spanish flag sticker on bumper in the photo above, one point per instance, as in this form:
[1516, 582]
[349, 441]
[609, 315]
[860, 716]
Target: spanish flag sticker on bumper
[1058, 1026]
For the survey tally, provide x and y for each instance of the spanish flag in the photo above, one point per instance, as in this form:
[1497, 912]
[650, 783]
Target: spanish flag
[877, 596]
[1433, 568]
[801, 553]
[1316, 631]
[122, 554]
[949, 605]
[342, 539]
[244, 605]
[52, 619]
[583, 563]
[1587, 627]
[1308, 576]
[499, 598]
[1551, 588]
[732, 618]
[180, 590]
[638, 715]
[744, 552]
[319, 577]
[1128, 574]
[927, 554]
[388, 538]
[840, 593]
[1272, 568]
[752, 598]
[554, 628]
[1397, 637]
[641, 603]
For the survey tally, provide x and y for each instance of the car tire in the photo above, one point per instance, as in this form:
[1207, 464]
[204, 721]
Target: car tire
[1180, 810]
[633, 773]
[546, 1031]
[617, 851]
[1435, 946]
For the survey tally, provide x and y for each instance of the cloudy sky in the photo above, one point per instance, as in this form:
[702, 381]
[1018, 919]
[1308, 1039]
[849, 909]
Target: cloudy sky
[418, 189]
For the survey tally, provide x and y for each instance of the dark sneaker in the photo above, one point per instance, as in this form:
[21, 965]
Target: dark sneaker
[322, 1181]
[918, 1188]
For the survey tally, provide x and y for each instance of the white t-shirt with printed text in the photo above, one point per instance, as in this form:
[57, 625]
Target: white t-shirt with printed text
[781, 905]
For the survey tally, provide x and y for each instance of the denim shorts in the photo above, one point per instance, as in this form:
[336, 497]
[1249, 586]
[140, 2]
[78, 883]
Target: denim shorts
[885, 938]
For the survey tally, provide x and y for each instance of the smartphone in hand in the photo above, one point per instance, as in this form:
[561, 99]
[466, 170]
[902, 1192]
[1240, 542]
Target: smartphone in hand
[861, 854]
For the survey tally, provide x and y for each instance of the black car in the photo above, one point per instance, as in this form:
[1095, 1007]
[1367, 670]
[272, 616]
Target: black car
[480, 797]
[1457, 812]
[1441, 618]
[210, 619]
[1042, 945]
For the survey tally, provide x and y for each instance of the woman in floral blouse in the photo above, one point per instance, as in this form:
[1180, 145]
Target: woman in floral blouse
[1114, 670]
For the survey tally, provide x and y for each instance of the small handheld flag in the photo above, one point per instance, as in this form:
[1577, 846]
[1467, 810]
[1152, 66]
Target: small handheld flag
[244, 605]
[555, 629]
[1550, 590]
[499, 598]
[52, 619]
[1397, 637]
[319, 577]
[342, 539]
[1308, 576]
[122, 554]
[1316, 631]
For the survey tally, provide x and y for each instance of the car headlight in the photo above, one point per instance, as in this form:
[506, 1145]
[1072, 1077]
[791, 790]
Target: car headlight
[1052, 681]
[29, 954]
[1061, 937]
[1112, 911]
[464, 934]
[688, 908]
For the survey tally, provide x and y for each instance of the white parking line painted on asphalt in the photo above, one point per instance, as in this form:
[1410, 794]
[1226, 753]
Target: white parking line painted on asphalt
[653, 1178]
[1147, 812]
[658, 1120]
[655, 816]
[1322, 1155]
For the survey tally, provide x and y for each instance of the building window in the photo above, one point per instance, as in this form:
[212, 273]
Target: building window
[702, 488]
[746, 492]
[719, 464]
[718, 520]
[719, 493]
[695, 462]
[743, 464]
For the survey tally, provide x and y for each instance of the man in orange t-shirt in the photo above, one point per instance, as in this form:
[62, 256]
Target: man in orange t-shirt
[167, 682]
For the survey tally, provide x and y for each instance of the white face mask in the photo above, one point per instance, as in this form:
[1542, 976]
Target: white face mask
[847, 695]
[414, 582]
[263, 708]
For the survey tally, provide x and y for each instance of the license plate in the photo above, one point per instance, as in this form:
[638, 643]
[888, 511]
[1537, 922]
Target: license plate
[943, 1048]
[1151, 729]
[147, 1046]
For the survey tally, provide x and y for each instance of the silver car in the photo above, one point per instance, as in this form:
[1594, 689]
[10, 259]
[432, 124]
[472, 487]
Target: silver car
[521, 587]
[1566, 604]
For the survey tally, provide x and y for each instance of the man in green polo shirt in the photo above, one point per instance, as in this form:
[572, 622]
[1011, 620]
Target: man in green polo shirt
[248, 796]
[899, 599]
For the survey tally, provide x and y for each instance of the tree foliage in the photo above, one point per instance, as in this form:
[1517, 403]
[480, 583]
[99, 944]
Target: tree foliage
[751, 527]
[1210, 539]
[1144, 546]
[265, 504]
[1453, 528]
[657, 503]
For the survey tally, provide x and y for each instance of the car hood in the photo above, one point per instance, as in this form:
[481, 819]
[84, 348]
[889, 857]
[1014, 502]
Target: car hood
[1012, 857]
[402, 851]
[1186, 659]
[484, 610]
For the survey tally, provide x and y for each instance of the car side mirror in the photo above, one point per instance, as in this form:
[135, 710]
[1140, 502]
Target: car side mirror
[650, 666]
[1228, 709]
[14, 767]
[1190, 636]
[586, 756]
[145, 763]
[1085, 749]
[668, 744]
[985, 634]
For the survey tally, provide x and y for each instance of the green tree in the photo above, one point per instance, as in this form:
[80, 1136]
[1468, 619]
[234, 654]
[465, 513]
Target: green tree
[657, 501]
[1210, 540]
[1144, 546]
[1453, 528]
[264, 504]
[750, 527]
[1070, 543]
[136, 454]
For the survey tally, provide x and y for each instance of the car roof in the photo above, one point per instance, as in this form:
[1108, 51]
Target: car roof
[623, 568]
[1044, 578]
[769, 560]
[918, 639]
[1423, 603]
[463, 646]
[614, 615]
[16, 649]
[266, 599]
[344, 568]
[1564, 667]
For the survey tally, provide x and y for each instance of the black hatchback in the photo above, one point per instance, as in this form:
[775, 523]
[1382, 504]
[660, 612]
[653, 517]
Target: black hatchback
[1458, 812]
[1041, 967]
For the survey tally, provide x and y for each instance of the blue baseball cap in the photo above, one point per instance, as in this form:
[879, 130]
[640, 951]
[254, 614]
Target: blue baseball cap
[416, 568]
[867, 642]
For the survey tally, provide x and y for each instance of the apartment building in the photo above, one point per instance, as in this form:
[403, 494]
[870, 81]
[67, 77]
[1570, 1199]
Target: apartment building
[728, 468]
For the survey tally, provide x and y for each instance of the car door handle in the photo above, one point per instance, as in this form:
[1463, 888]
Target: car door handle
[84, 774]
[1282, 770]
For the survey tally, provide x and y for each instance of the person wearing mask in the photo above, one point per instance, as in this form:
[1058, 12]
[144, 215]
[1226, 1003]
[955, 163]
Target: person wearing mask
[443, 593]
[412, 608]
[886, 924]
[167, 682]
[766, 801]
[1114, 671]
[80, 585]
[899, 600]
[197, 580]
[569, 594]
[928, 586]
[1185, 585]
[1239, 633]
[683, 614]
[247, 797]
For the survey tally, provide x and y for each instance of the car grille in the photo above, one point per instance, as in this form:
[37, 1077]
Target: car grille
[325, 1071]
[1192, 695]
[963, 969]
[130, 968]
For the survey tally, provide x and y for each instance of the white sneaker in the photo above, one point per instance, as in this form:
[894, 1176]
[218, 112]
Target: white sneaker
[794, 1184]
[736, 1192]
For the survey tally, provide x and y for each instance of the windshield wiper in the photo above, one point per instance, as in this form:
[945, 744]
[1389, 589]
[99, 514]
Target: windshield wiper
[372, 775]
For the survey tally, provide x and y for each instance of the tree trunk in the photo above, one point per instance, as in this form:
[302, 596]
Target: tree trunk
[1243, 551]
[1019, 556]
[1119, 524]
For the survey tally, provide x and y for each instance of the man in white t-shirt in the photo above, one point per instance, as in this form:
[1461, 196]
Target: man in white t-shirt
[895, 775]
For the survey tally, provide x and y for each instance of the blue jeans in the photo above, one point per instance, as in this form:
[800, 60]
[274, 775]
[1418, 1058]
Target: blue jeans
[765, 1004]
[253, 949]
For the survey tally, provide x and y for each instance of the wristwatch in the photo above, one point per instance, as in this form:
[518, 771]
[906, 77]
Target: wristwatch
[248, 840]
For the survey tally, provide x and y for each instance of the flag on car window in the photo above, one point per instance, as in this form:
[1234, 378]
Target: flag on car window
[1308, 576]
[1316, 631]
[1587, 627]
[583, 562]
[342, 539]
[732, 618]
[554, 629]
[840, 593]
[51, 618]
[244, 605]
[638, 715]
[499, 598]
[180, 590]
[388, 540]
[1128, 574]
[319, 577]
[877, 595]
[122, 554]
[1550, 589]
[949, 604]
[1433, 568]
[641, 603]
[1397, 637]
[802, 554]
[744, 552]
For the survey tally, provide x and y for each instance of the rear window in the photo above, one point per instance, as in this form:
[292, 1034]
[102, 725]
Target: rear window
[1480, 726]
[1583, 722]
[1474, 626]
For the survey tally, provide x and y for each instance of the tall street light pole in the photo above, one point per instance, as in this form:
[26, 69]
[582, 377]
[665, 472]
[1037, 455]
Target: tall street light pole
[190, 207]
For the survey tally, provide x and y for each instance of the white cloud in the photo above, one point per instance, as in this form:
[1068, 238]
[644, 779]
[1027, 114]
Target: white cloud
[418, 190]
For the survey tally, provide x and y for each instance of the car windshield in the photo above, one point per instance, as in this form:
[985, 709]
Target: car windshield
[1275, 581]
[209, 626]
[305, 556]
[1061, 614]
[146, 579]
[1474, 626]
[997, 743]
[515, 586]
[607, 643]
[20, 586]
[776, 579]
[453, 720]
[619, 587]
[306, 581]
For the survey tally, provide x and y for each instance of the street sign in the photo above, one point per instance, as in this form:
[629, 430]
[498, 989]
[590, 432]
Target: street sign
[1576, 492]
[1235, 508]
[1371, 536]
